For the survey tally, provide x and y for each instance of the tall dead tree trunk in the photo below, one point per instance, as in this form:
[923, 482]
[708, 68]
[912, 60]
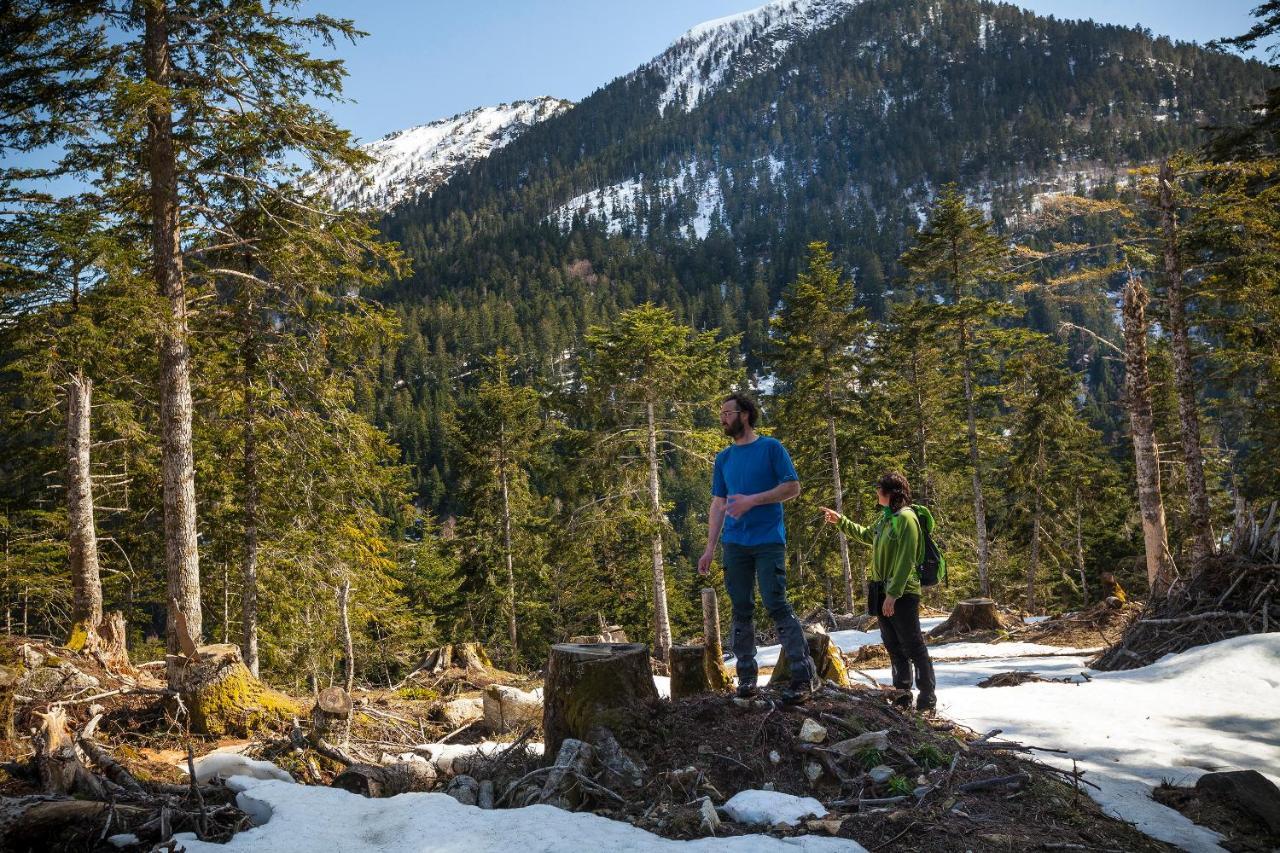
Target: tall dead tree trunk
[1084, 584]
[845, 568]
[507, 554]
[1033, 561]
[249, 579]
[661, 621]
[922, 429]
[86, 582]
[1183, 374]
[979, 504]
[1146, 457]
[344, 635]
[182, 559]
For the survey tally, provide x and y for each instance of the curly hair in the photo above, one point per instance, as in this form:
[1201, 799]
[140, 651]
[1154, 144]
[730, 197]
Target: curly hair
[895, 485]
[745, 404]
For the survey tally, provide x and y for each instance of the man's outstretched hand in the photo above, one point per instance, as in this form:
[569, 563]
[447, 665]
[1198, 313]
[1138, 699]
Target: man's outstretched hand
[704, 563]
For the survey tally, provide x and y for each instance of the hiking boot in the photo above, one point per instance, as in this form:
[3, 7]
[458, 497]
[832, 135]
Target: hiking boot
[747, 691]
[903, 700]
[798, 691]
[926, 703]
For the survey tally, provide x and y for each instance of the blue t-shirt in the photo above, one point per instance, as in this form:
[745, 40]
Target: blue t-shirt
[747, 469]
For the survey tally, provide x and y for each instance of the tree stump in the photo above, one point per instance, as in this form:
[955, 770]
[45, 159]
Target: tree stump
[223, 698]
[11, 672]
[372, 780]
[331, 716]
[713, 650]
[826, 657]
[470, 656]
[972, 614]
[587, 685]
[689, 672]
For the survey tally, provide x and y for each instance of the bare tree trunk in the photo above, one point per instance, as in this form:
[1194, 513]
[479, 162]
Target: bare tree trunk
[86, 583]
[661, 622]
[979, 505]
[1145, 453]
[249, 581]
[1183, 375]
[182, 559]
[506, 540]
[1084, 584]
[922, 430]
[839, 507]
[344, 635]
[1033, 562]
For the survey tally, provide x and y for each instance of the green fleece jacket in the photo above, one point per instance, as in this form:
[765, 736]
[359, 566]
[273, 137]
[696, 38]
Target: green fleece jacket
[897, 547]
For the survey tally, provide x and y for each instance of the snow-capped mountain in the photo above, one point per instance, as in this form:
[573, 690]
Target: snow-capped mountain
[414, 162]
[719, 53]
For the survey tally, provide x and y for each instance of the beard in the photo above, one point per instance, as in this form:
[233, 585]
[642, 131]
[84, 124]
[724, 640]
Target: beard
[734, 429]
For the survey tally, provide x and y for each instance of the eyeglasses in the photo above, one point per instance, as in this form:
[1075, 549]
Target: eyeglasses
[724, 412]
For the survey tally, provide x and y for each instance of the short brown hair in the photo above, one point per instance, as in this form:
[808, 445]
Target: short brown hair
[745, 404]
[895, 485]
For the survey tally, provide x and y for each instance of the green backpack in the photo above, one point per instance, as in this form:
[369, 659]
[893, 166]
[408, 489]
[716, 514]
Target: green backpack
[934, 566]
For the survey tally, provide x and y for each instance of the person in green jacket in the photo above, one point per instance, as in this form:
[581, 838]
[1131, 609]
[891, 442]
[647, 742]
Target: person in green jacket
[897, 548]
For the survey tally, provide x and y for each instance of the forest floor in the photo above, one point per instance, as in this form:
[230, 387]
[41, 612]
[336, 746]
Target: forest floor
[1077, 751]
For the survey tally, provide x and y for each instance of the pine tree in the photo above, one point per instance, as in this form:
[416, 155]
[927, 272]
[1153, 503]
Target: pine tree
[652, 373]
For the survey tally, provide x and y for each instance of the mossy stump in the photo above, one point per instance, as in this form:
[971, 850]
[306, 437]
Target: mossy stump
[972, 614]
[223, 698]
[826, 657]
[689, 672]
[588, 684]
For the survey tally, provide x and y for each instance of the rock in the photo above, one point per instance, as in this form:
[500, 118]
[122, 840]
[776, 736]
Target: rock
[880, 774]
[464, 789]
[484, 797]
[1247, 791]
[813, 771]
[459, 712]
[508, 708]
[767, 786]
[811, 731]
[710, 818]
[774, 757]
[867, 740]
[741, 702]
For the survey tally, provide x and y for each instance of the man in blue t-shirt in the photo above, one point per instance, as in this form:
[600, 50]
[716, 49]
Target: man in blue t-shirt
[751, 479]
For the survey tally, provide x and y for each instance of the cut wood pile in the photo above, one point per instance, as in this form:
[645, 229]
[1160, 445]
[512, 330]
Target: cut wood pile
[1230, 595]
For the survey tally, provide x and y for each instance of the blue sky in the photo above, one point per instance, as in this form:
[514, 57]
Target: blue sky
[434, 58]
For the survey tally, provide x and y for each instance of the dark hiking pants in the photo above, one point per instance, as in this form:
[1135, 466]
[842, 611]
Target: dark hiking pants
[745, 568]
[903, 640]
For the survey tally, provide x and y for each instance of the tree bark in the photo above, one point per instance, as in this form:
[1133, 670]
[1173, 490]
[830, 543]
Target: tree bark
[845, 568]
[506, 539]
[249, 581]
[224, 699]
[1184, 375]
[826, 657]
[331, 716]
[1033, 561]
[1146, 457]
[585, 683]
[972, 614]
[689, 672]
[182, 559]
[86, 582]
[1084, 584]
[661, 621]
[979, 504]
[344, 635]
[922, 429]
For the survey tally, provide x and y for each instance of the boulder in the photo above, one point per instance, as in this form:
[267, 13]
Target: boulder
[1247, 791]
[458, 712]
[509, 708]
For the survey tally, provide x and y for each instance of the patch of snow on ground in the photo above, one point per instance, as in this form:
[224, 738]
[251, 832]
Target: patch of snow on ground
[310, 819]
[1212, 708]
[772, 807]
[615, 205]
[224, 765]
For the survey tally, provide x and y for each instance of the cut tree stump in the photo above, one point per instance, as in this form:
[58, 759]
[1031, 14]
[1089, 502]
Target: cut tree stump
[223, 698]
[826, 657]
[589, 685]
[57, 762]
[689, 672]
[331, 716]
[972, 614]
[713, 653]
[373, 780]
[469, 656]
[109, 643]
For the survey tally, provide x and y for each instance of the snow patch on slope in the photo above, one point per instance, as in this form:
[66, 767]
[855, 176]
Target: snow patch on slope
[719, 53]
[417, 161]
[616, 205]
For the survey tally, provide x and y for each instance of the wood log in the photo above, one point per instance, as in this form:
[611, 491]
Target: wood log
[826, 657]
[223, 698]
[11, 672]
[688, 672]
[38, 824]
[590, 685]
[331, 716]
[713, 647]
[573, 759]
[972, 614]
[373, 780]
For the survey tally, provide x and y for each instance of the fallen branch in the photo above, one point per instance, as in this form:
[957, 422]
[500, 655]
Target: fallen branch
[995, 782]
